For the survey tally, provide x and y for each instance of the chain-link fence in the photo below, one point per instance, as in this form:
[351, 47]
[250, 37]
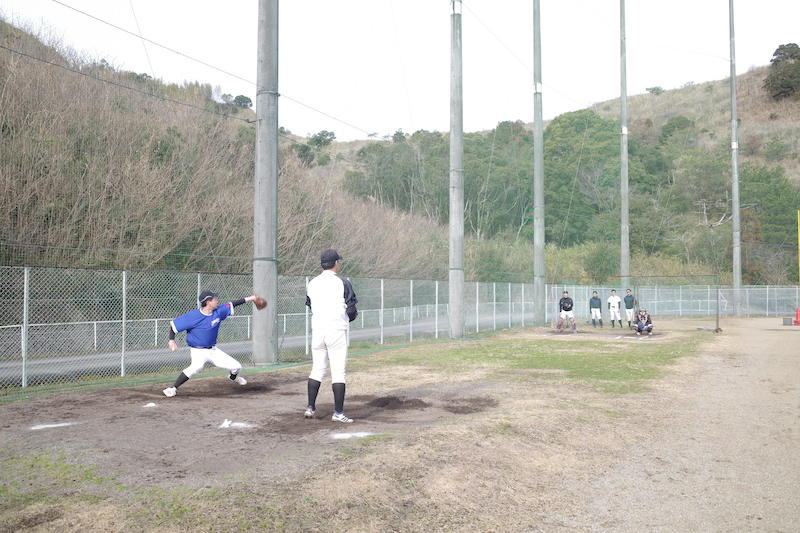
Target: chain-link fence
[71, 325]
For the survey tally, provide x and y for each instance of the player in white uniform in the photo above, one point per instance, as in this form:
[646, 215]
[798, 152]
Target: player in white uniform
[333, 306]
[614, 304]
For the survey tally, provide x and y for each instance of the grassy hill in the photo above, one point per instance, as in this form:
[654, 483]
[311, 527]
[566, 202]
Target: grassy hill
[106, 168]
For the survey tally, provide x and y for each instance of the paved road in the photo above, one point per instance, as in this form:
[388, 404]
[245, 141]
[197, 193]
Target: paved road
[141, 361]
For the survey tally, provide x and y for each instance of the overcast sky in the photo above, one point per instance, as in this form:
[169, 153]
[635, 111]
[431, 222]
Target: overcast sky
[382, 65]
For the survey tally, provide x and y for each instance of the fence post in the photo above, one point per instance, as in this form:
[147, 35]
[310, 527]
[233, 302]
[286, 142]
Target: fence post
[494, 306]
[767, 300]
[124, 318]
[26, 291]
[199, 289]
[680, 300]
[436, 310]
[477, 307]
[523, 305]
[284, 323]
[381, 320]
[307, 340]
[248, 325]
[155, 332]
[509, 305]
[95, 335]
[410, 310]
[708, 300]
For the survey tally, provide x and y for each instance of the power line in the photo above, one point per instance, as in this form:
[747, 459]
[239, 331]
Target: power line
[206, 64]
[139, 29]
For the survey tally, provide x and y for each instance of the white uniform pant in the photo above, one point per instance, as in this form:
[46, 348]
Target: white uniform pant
[629, 314]
[614, 314]
[596, 313]
[329, 346]
[215, 356]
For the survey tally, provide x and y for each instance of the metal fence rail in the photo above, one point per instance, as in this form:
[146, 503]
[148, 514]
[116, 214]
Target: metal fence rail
[67, 325]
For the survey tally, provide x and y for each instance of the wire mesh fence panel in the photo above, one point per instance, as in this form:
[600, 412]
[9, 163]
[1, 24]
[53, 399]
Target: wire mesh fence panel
[72, 325]
[424, 310]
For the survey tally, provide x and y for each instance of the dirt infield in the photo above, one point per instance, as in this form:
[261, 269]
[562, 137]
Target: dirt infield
[710, 445]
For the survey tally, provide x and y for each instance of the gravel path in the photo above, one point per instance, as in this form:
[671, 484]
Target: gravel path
[723, 453]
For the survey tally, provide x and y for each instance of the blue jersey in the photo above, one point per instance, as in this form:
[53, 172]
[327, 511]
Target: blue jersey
[202, 329]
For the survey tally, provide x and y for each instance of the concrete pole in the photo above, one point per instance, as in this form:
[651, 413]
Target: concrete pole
[538, 175]
[265, 201]
[737, 232]
[456, 271]
[624, 241]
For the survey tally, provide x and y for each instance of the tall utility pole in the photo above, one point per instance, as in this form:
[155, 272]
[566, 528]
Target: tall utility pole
[265, 200]
[539, 296]
[456, 271]
[624, 238]
[737, 232]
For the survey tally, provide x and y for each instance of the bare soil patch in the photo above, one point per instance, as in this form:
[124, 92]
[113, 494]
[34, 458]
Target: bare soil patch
[710, 446]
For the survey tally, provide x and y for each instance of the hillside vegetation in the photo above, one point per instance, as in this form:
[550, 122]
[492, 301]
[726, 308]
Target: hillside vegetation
[95, 174]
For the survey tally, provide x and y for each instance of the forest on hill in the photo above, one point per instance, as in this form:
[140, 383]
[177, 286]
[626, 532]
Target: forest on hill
[105, 168]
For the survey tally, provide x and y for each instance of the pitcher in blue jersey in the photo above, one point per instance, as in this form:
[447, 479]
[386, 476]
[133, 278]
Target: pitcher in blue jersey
[202, 327]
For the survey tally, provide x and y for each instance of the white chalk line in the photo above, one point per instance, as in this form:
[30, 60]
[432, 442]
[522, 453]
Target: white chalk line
[48, 426]
[355, 435]
[151, 404]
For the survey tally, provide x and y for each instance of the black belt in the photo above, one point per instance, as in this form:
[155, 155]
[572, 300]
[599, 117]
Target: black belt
[202, 347]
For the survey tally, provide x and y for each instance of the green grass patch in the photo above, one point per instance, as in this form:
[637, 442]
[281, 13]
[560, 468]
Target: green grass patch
[615, 367]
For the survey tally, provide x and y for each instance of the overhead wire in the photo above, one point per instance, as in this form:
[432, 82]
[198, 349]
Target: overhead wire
[206, 64]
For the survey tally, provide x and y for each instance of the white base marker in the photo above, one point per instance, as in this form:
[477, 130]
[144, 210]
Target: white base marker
[230, 424]
[48, 426]
[356, 435]
[151, 404]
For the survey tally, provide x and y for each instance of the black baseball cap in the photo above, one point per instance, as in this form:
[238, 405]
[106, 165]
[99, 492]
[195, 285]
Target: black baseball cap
[205, 296]
[329, 257]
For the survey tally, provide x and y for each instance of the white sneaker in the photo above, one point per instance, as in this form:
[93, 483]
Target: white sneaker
[169, 392]
[309, 412]
[341, 417]
[240, 380]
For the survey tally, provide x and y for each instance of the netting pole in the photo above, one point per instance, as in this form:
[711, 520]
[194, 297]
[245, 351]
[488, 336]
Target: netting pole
[435, 309]
[717, 304]
[124, 319]
[25, 321]
[307, 310]
[411, 310]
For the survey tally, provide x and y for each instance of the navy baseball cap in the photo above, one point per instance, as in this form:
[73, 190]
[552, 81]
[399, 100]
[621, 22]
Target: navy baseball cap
[329, 257]
[205, 296]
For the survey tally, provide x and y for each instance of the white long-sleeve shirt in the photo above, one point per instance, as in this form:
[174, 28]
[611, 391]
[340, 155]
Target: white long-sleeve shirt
[329, 296]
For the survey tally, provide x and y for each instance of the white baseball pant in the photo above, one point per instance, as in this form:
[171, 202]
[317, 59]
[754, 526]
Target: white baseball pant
[215, 356]
[629, 314]
[329, 346]
[614, 314]
[596, 313]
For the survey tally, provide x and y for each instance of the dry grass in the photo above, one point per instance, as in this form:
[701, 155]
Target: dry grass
[708, 105]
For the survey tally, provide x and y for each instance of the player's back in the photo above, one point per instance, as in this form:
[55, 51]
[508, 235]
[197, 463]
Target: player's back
[325, 297]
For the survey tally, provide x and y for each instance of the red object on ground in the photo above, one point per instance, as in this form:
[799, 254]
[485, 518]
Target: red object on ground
[797, 317]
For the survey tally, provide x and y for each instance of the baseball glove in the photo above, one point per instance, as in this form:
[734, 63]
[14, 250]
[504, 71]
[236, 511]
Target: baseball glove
[260, 302]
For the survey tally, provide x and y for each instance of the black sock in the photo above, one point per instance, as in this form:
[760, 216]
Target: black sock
[338, 397]
[233, 375]
[182, 378]
[601, 322]
[313, 390]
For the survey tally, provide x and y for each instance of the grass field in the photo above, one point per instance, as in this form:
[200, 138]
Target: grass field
[463, 436]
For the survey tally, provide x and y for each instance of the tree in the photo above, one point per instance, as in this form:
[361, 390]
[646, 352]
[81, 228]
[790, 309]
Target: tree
[323, 138]
[783, 79]
[242, 101]
[655, 90]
